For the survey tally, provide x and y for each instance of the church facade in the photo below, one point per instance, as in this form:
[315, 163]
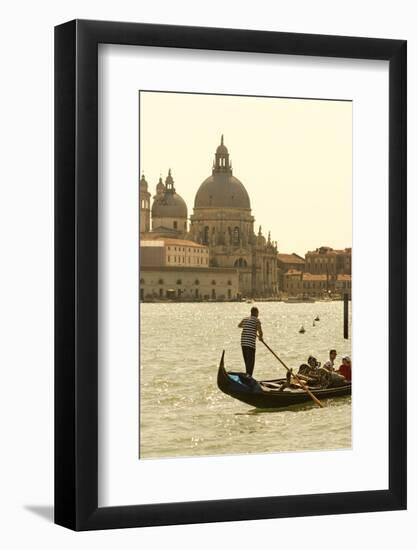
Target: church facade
[222, 220]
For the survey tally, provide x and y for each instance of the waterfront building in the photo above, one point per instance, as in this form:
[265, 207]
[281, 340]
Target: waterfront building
[220, 235]
[300, 284]
[287, 262]
[292, 282]
[188, 283]
[317, 285]
[172, 253]
[343, 285]
[325, 260]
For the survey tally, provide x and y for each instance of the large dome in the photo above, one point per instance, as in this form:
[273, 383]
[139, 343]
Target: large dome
[170, 205]
[222, 190]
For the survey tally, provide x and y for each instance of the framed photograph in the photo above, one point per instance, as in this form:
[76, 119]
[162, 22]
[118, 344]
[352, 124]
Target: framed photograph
[230, 252]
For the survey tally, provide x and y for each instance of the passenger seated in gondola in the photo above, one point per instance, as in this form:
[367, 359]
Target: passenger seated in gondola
[329, 365]
[345, 368]
[334, 379]
[310, 368]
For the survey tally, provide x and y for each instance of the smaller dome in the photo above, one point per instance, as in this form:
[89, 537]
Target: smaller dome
[170, 205]
[167, 203]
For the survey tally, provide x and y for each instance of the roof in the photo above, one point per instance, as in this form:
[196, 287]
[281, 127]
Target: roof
[161, 241]
[161, 230]
[184, 242]
[314, 277]
[344, 277]
[293, 272]
[290, 259]
[214, 270]
[151, 242]
[327, 251]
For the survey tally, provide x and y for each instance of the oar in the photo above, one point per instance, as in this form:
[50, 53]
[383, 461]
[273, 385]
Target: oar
[313, 397]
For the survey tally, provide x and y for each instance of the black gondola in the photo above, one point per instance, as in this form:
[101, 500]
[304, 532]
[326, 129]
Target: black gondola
[266, 394]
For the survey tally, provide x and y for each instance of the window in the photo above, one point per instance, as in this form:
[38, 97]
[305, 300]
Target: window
[160, 282]
[213, 282]
[179, 282]
[196, 282]
[241, 263]
[206, 235]
[175, 224]
[236, 235]
[229, 283]
[142, 281]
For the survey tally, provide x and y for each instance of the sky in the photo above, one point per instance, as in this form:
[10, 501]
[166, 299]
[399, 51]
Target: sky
[294, 157]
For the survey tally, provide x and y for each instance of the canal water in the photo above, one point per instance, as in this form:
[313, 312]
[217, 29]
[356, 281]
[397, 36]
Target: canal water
[183, 413]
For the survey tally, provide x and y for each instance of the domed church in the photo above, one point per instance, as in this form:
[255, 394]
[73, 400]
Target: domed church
[223, 220]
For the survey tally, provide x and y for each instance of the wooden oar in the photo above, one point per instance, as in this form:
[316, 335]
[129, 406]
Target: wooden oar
[313, 397]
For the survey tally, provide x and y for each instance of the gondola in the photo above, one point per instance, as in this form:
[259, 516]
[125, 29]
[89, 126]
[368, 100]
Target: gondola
[266, 394]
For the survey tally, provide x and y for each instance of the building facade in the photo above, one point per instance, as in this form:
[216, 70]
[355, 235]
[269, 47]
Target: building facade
[222, 220]
[188, 283]
[173, 252]
[325, 260]
[220, 235]
[302, 285]
[287, 262]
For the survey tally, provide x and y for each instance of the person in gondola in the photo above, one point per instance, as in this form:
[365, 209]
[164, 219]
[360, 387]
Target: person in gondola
[310, 367]
[251, 329]
[310, 370]
[345, 368]
[329, 365]
[330, 377]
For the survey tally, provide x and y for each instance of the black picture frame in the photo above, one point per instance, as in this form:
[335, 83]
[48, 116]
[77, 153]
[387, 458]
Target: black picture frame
[76, 273]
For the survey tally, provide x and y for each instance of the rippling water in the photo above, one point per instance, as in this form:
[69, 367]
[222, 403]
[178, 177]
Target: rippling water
[183, 413]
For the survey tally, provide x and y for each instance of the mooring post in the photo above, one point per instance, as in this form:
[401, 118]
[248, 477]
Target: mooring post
[346, 316]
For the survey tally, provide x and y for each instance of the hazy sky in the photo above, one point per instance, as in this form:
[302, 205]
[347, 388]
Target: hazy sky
[294, 156]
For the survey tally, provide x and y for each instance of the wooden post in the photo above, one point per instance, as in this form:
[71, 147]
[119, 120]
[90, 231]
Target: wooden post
[346, 316]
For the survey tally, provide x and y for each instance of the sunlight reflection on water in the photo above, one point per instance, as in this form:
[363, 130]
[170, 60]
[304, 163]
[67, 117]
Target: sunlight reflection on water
[183, 413]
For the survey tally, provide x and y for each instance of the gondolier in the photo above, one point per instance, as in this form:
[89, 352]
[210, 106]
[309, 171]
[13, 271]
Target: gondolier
[251, 328]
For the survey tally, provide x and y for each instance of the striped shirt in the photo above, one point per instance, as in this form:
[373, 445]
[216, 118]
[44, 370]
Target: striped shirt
[251, 325]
